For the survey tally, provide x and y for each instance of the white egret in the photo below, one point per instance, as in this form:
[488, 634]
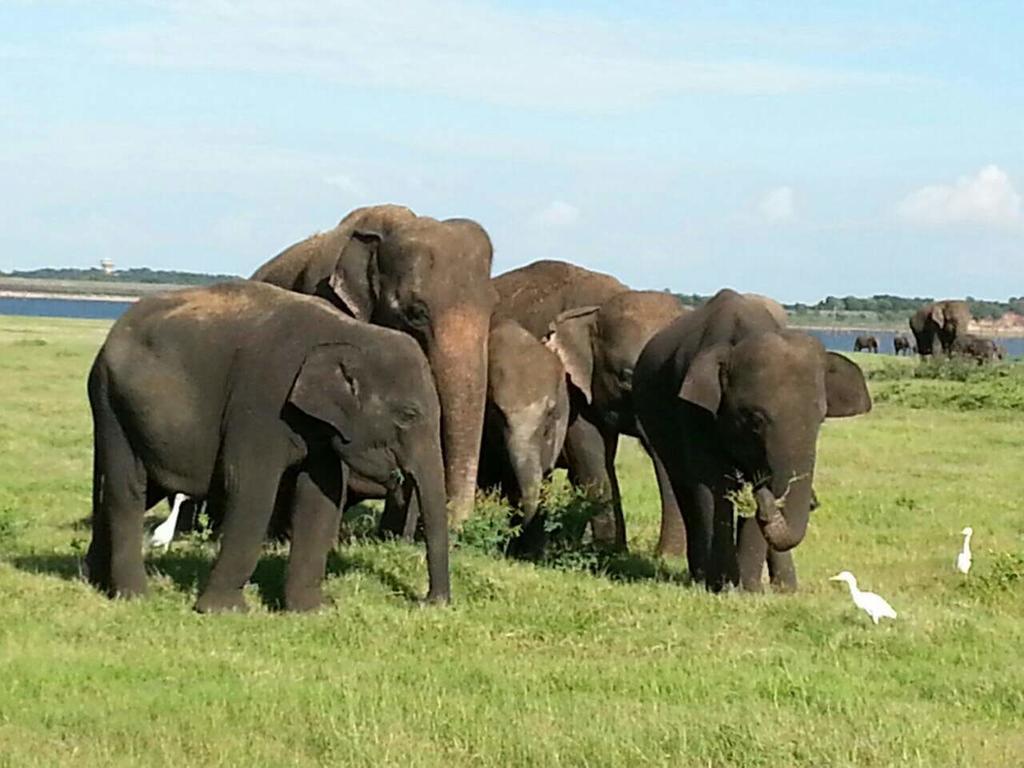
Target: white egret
[963, 560]
[163, 534]
[873, 605]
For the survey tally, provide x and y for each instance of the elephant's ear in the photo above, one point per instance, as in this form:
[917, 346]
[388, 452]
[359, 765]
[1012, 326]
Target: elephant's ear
[938, 315]
[846, 392]
[326, 389]
[354, 280]
[571, 337]
[702, 385]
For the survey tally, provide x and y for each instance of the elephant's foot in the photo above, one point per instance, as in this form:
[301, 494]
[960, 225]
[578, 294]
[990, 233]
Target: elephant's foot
[302, 600]
[221, 601]
[438, 598]
[606, 532]
[128, 582]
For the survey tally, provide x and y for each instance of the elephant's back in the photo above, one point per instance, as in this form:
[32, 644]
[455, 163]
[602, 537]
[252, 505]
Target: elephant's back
[536, 294]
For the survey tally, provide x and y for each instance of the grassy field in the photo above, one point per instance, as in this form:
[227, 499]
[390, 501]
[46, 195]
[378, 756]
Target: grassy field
[534, 665]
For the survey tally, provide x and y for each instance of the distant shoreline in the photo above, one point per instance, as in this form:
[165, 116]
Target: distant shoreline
[112, 297]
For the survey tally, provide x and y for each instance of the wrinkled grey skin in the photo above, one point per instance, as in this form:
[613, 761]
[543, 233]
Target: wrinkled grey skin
[901, 344]
[429, 278]
[524, 427]
[869, 343]
[251, 396]
[726, 391]
[942, 322]
[981, 349]
[599, 347]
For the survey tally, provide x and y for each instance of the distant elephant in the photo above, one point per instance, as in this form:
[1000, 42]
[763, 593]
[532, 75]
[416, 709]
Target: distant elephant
[981, 349]
[941, 320]
[524, 428]
[431, 279]
[901, 344]
[723, 393]
[250, 396]
[870, 343]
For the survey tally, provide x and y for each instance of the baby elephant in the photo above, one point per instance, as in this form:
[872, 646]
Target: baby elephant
[981, 349]
[526, 418]
[248, 396]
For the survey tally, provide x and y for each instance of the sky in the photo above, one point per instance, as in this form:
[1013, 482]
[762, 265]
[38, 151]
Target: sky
[793, 149]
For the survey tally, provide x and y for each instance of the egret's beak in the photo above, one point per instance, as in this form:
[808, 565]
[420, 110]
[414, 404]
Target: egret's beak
[835, 578]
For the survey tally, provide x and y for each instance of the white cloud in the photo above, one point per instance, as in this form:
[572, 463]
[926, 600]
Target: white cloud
[461, 49]
[987, 198]
[346, 183]
[778, 204]
[556, 214]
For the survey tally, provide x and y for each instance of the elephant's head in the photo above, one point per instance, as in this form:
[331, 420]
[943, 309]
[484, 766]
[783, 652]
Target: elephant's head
[383, 426]
[527, 407]
[431, 279]
[946, 320]
[768, 395]
[599, 347]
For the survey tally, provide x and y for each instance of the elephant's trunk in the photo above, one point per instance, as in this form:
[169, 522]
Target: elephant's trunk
[458, 359]
[783, 510]
[429, 497]
[528, 474]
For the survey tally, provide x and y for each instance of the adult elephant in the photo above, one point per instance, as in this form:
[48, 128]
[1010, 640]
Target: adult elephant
[900, 344]
[599, 347]
[725, 392]
[254, 398]
[943, 321]
[431, 279]
[864, 342]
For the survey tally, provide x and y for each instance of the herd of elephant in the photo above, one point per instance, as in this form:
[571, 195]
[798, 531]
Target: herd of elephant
[380, 359]
[939, 326]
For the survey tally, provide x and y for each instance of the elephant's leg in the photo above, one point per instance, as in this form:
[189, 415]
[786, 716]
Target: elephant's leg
[316, 516]
[249, 484]
[723, 569]
[672, 539]
[753, 549]
[114, 561]
[394, 520]
[586, 452]
[699, 505]
[782, 571]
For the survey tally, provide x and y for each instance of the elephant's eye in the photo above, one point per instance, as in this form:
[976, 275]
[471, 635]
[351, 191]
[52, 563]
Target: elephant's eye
[417, 314]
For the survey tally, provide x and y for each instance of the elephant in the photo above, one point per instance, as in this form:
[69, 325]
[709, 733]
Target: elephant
[942, 320]
[725, 395]
[524, 427]
[536, 294]
[901, 344]
[431, 279]
[870, 343]
[599, 346]
[254, 397]
[981, 349]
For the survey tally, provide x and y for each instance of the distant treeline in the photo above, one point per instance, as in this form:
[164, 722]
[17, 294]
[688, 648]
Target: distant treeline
[137, 275]
[882, 306]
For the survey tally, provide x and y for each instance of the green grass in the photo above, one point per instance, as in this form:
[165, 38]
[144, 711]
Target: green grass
[532, 665]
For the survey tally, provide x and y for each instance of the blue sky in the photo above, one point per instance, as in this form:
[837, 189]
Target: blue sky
[792, 149]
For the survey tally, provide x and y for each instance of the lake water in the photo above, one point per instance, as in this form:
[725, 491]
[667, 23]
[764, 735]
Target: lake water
[77, 308]
[842, 341]
[838, 341]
